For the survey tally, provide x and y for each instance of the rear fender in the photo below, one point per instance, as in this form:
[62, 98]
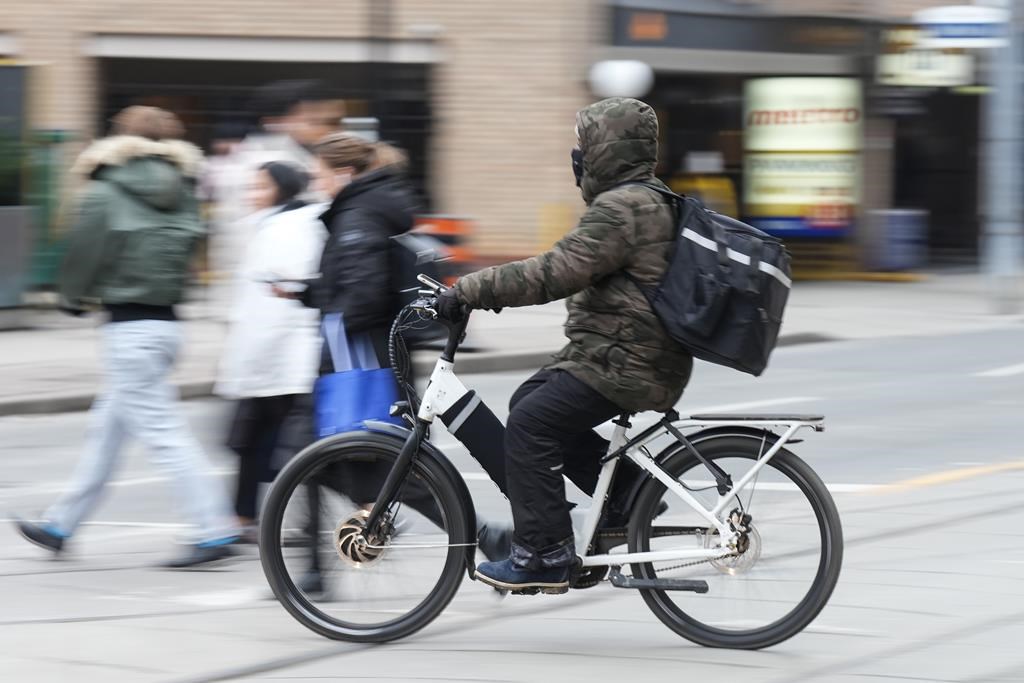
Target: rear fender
[431, 451]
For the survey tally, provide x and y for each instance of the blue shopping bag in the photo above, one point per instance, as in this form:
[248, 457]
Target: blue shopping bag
[358, 390]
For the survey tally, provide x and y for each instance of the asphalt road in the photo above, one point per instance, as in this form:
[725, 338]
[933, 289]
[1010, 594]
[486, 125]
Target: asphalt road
[922, 452]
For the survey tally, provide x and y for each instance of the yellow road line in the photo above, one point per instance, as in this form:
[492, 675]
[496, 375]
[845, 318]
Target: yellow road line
[949, 476]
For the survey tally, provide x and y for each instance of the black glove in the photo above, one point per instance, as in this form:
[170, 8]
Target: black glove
[450, 308]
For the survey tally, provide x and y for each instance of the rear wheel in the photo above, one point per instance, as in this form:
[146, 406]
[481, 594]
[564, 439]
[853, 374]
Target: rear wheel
[791, 551]
[329, 575]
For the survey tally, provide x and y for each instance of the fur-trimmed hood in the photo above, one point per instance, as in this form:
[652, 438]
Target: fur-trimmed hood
[120, 149]
[153, 172]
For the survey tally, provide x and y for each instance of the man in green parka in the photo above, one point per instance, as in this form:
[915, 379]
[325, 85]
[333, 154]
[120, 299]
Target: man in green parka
[129, 251]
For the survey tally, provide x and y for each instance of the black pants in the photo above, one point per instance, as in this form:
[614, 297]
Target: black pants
[255, 433]
[550, 433]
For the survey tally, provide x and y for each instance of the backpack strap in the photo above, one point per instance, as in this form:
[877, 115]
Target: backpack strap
[754, 273]
[716, 230]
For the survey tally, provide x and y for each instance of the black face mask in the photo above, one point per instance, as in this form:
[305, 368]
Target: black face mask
[577, 165]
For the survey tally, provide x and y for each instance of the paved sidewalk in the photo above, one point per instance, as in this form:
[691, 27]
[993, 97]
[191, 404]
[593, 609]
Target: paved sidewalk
[53, 366]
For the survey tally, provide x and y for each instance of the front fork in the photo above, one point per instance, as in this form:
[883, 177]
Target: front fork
[396, 477]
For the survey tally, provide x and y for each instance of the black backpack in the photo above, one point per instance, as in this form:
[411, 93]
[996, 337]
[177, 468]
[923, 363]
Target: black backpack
[725, 289]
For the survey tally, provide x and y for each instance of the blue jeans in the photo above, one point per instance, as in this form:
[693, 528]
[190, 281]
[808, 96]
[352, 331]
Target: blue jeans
[138, 400]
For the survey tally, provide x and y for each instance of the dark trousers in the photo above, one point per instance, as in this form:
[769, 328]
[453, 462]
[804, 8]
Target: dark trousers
[255, 433]
[550, 434]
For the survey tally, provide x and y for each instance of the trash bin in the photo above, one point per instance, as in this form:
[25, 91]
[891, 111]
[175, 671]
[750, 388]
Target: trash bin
[899, 239]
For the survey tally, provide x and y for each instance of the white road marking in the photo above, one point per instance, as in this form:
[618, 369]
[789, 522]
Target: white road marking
[54, 487]
[225, 598]
[750, 405]
[140, 525]
[1006, 371]
[841, 631]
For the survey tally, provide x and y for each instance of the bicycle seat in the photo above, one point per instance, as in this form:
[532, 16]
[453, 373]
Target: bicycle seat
[764, 417]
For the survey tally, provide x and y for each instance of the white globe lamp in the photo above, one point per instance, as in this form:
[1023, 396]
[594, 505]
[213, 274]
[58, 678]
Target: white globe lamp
[621, 78]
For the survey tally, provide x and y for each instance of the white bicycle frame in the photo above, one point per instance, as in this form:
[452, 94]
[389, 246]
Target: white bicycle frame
[445, 389]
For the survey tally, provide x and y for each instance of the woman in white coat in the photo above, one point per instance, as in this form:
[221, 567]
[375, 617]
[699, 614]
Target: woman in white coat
[272, 354]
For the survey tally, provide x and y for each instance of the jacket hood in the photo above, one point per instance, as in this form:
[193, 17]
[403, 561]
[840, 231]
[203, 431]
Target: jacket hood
[386, 193]
[152, 170]
[619, 140]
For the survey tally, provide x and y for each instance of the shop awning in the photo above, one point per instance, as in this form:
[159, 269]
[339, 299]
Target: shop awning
[711, 36]
[322, 50]
[682, 60]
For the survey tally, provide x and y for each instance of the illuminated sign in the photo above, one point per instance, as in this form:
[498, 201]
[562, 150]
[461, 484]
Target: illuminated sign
[803, 114]
[905, 63]
[963, 26]
[648, 26]
[802, 161]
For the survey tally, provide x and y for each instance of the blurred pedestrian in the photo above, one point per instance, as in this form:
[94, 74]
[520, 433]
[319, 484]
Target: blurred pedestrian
[290, 117]
[372, 202]
[369, 205]
[272, 353]
[136, 228]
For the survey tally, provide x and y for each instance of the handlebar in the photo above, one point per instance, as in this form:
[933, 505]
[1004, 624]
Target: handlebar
[431, 284]
[427, 304]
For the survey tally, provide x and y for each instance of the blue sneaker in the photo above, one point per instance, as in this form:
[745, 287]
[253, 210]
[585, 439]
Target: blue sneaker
[43, 535]
[506, 576]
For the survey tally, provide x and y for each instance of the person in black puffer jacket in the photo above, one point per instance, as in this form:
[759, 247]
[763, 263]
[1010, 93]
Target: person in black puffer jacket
[370, 206]
[372, 203]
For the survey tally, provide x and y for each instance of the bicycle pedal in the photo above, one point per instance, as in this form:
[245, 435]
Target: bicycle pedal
[587, 577]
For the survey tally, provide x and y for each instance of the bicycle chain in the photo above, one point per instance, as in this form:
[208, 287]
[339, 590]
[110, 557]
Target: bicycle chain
[692, 563]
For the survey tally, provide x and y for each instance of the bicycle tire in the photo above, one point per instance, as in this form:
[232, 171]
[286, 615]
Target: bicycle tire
[679, 461]
[432, 475]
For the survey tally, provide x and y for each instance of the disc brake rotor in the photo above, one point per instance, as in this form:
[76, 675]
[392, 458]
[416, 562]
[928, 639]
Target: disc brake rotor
[350, 543]
[748, 547]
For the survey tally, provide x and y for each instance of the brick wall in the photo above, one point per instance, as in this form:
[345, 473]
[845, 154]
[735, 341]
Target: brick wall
[513, 76]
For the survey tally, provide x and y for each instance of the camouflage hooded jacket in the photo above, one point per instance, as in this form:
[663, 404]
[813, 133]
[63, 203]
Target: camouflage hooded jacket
[616, 345]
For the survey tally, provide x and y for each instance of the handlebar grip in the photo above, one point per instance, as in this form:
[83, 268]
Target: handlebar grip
[431, 283]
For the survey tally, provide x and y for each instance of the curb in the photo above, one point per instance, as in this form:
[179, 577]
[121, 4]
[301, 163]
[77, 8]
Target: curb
[469, 363]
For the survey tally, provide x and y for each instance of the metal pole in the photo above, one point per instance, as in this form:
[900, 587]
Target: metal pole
[1003, 243]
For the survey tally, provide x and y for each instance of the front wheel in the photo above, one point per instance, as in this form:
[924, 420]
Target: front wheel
[351, 586]
[791, 551]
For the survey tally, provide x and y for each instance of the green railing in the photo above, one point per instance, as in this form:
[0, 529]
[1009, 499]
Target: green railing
[45, 171]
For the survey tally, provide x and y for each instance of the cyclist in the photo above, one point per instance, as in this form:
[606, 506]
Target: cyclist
[619, 358]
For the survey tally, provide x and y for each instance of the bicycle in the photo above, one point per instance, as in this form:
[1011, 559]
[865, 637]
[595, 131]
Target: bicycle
[398, 500]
